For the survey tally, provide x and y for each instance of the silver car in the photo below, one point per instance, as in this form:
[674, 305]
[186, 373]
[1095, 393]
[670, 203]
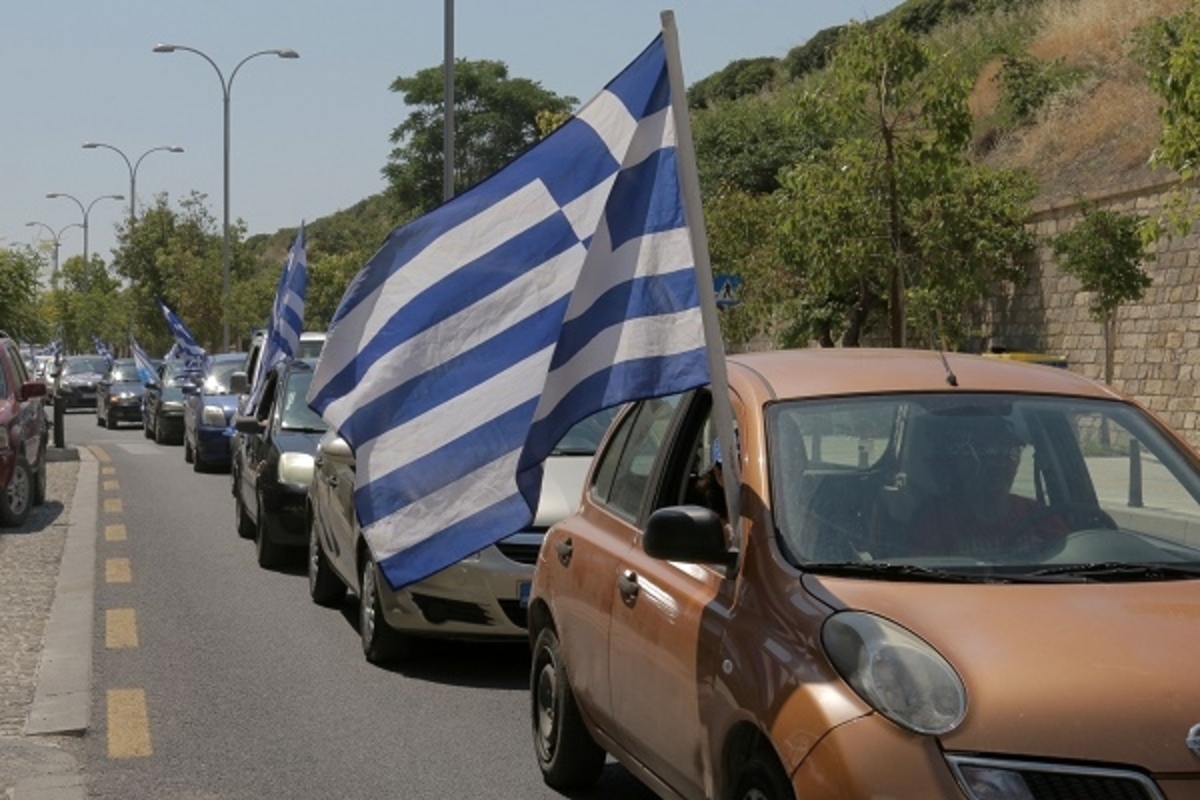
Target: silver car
[482, 597]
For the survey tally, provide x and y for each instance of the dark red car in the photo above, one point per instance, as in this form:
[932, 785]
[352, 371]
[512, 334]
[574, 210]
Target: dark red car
[23, 437]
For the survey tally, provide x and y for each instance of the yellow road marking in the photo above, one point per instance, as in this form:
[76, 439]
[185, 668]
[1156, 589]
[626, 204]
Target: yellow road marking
[128, 724]
[113, 505]
[100, 454]
[108, 470]
[120, 628]
[114, 533]
[112, 486]
[117, 570]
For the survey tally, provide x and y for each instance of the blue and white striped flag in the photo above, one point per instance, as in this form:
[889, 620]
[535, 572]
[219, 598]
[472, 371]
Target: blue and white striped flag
[186, 346]
[103, 349]
[479, 333]
[145, 365]
[287, 319]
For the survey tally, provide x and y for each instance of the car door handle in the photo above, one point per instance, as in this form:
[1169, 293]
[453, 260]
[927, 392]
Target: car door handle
[565, 548]
[627, 585]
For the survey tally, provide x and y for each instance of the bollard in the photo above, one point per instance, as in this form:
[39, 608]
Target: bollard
[58, 425]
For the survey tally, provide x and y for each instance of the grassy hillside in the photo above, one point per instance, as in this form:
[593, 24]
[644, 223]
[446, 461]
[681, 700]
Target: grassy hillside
[1097, 135]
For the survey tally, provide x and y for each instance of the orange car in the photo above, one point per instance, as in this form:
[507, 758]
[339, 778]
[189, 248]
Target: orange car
[954, 577]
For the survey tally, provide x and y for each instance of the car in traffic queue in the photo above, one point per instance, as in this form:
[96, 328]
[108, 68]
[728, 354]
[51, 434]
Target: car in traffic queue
[119, 394]
[272, 465]
[74, 381]
[208, 410]
[163, 401]
[483, 597]
[23, 437]
[952, 577]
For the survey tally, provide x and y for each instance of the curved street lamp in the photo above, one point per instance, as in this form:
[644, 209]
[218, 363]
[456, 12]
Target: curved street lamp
[85, 210]
[133, 168]
[226, 87]
[56, 238]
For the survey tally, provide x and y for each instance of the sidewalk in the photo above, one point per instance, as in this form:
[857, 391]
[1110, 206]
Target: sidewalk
[47, 573]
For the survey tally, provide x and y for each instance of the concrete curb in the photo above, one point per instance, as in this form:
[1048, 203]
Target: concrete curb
[62, 700]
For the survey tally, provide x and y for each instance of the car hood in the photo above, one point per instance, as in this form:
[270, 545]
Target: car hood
[82, 377]
[297, 442]
[1094, 672]
[562, 488]
[126, 386]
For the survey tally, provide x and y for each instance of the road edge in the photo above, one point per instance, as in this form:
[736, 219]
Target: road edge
[62, 699]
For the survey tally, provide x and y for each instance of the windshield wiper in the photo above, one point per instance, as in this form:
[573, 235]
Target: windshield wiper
[303, 428]
[1122, 571]
[900, 572]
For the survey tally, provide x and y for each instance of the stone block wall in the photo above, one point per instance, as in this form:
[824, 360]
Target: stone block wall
[1156, 356]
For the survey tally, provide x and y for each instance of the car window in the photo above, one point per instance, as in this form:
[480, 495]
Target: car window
[979, 482]
[126, 373]
[630, 469]
[584, 437]
[4, 390]
[295, 413]
[217, 379]
[76, 366]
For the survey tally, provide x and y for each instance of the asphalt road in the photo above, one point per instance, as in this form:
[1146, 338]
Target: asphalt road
[213, 678]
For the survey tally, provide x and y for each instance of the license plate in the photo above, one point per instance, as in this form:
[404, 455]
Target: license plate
[523, 592]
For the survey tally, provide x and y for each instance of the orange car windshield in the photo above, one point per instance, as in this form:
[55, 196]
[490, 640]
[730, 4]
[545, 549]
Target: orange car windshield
[1007, 485]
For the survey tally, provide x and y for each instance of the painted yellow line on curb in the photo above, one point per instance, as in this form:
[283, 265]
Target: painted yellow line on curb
[100, 454]
[112, 486]
[108, 470]
[113, 505]
[120, 628]
[128, 724]
[114, 533]
[117, 570]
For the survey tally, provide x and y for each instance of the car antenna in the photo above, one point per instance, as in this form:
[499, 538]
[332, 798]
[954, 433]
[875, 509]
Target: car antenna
[940, 338]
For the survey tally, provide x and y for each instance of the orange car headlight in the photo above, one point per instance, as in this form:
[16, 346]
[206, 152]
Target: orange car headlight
[896, 672]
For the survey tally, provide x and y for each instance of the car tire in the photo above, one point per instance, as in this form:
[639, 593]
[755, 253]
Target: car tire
[324, 586]
[245, 525]
[160, 436]
[567, 754]
[381, 643]
[269, 554]
[762, 778]
[16, 500]
[99, 419]
[111, 419]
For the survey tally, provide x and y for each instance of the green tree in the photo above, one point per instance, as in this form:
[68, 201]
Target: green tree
[739, 78]
[1169, 48]
[19, 290]
[495, 118]
[88, 302]
[1104, 251]
[895, 211]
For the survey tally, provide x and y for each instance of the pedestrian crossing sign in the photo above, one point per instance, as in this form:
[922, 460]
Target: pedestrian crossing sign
[727, 288]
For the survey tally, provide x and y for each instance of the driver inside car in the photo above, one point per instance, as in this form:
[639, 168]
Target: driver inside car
[977, 514]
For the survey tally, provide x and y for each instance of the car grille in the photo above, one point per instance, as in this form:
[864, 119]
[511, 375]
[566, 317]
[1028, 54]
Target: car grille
[439, 609]
[1064, 782]
[522, 553]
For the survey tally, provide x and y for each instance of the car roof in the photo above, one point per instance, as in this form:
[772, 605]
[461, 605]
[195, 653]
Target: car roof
[830, 372]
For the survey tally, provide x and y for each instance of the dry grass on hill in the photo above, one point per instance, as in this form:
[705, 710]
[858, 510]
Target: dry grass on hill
[1099, 135]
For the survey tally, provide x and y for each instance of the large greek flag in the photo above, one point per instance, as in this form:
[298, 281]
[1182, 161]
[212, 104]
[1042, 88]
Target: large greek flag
[145, 365]
[479, 333]
[287, 319]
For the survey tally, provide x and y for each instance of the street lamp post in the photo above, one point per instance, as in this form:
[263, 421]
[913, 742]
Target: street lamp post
[56, 238]
[85, 210]
[133, 168]
[226, 87]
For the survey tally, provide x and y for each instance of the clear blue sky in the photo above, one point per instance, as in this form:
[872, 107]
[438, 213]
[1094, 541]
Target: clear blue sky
[309, 136]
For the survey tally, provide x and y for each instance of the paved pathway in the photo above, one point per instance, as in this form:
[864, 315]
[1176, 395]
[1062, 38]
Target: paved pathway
[38, 767]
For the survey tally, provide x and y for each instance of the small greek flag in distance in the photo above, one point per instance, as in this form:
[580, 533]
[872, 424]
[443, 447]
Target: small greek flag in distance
[145, 365]
[186, 346]
[287, 318]
[479, 333]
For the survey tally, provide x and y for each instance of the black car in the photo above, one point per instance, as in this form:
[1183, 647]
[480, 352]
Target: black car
[163, 401]
[75, 380]
[273, 463]
[119, 394]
